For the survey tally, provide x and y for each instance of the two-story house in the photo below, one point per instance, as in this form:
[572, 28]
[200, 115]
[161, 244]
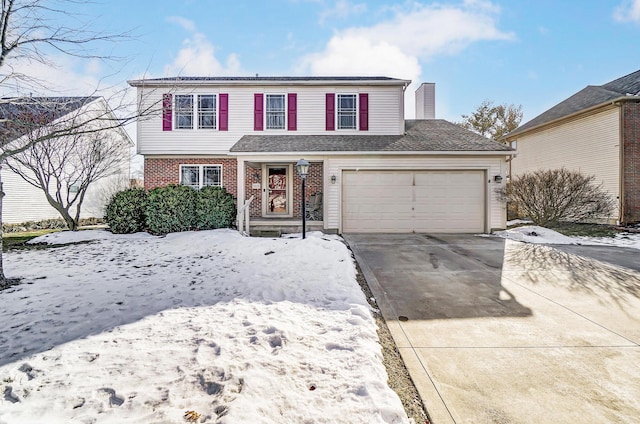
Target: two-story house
[374, 171]
[596, 132]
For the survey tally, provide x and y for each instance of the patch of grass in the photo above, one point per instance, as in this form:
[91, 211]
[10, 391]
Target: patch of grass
[586, 230]
[19, 240]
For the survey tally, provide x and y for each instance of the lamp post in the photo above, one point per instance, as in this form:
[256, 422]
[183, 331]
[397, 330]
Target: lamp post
[303, 168]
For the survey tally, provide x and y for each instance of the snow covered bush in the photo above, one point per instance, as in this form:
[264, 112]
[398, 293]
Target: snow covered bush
[171, 209]
[215, 208]
[558, 195]
[125, 212]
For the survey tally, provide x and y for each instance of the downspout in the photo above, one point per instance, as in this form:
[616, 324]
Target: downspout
[621, 139]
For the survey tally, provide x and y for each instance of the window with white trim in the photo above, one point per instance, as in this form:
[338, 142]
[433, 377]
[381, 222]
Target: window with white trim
[346, 111]
[198, 176]
[275, 111]
[184, 112]
[207, 111]
[202, 106]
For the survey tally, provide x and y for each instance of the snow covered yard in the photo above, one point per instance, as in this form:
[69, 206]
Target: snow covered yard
[541, 235]
[202, 326]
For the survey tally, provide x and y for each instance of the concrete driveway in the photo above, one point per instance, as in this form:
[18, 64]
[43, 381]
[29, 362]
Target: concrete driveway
[496, 331]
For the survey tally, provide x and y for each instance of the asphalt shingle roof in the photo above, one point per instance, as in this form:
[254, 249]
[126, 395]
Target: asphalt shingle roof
[592, 95]
[17, 114]
[269, 78]
[434, 135]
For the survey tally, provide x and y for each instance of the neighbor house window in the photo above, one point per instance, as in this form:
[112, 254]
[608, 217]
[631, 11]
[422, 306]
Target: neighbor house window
[198, 176]
[275, 111]
[207, 111]
[184, 111]
[346, 111]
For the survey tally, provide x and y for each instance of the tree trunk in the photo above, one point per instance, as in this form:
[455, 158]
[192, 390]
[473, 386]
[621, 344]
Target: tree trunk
[3, 280]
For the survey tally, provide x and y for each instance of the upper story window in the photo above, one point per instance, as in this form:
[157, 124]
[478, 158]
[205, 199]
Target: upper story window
[347, 111]
[204, 107]
[198, 176]
[207, 111]
[184, 111]
[275, 111]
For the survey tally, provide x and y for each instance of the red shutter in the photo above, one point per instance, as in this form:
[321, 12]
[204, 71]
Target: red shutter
[258, 117]
[331, 112]
[364, 112]
[292, 111]
[223, 124]
[166, 112]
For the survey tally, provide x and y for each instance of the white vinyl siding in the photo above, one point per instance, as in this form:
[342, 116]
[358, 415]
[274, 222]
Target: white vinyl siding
[385, 117]
[590, 145]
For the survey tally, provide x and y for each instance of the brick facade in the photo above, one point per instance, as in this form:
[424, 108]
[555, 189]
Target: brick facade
[631, 165]
[160, 172]
[313, 185]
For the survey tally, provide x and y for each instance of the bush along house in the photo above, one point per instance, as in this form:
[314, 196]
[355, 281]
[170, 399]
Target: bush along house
[370, 169]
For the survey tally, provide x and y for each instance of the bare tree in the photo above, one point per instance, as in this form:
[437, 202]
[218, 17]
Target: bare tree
[492, 121]
[548, 197]
[65, 167]
[32, 31]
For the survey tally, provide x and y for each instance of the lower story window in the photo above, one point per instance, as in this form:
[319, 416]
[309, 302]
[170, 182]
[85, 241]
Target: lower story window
[198, 176]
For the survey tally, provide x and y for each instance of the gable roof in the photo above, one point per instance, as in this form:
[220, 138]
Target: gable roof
[16, 113]
[269, 80]
[430, 135]
[626, 87]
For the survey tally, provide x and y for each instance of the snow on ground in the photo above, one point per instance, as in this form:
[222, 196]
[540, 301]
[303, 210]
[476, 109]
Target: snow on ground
[541, 235]
[535, 234]
[204, 326]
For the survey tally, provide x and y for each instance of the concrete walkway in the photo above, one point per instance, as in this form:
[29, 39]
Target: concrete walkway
[495, 331]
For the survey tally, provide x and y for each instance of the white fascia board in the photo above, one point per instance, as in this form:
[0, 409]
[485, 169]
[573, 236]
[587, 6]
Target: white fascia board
[328, 82]
[352, 153]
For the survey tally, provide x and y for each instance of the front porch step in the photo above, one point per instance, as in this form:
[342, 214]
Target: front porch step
[276, 229]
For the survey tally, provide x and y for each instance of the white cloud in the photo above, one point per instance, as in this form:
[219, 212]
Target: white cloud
[197, 55]
[63, 75]
[397, 46]
[628, 11]
[342, 9]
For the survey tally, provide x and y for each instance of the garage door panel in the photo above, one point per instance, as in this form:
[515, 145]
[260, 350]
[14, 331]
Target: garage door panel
[413, 201]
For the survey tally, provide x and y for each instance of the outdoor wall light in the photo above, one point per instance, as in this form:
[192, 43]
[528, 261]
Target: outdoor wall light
[334, 179]
[497, 179]
[303, 169]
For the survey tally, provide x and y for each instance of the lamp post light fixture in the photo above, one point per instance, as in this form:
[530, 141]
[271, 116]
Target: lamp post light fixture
[303, 169]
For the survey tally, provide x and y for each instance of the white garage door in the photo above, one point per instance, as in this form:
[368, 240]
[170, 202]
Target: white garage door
[413, 201]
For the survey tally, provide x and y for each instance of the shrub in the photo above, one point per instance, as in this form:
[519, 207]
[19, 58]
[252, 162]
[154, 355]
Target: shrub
[125, 212]
[553, 196]
[171, 209]
[215, 208]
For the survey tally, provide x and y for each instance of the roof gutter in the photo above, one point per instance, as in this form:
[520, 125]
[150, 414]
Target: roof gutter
[177, 82]
[512, 135]
[412, 153]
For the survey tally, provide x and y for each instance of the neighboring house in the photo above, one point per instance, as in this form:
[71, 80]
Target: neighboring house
[22, 201]
[374, 171]
[597, 132]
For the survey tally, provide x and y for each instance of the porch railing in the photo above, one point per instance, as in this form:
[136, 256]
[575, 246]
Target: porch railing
[243, 217]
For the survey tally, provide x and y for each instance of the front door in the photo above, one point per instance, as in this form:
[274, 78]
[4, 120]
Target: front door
[277, 192]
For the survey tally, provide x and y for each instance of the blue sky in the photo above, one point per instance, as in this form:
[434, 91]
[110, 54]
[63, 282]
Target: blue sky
[533, 53]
